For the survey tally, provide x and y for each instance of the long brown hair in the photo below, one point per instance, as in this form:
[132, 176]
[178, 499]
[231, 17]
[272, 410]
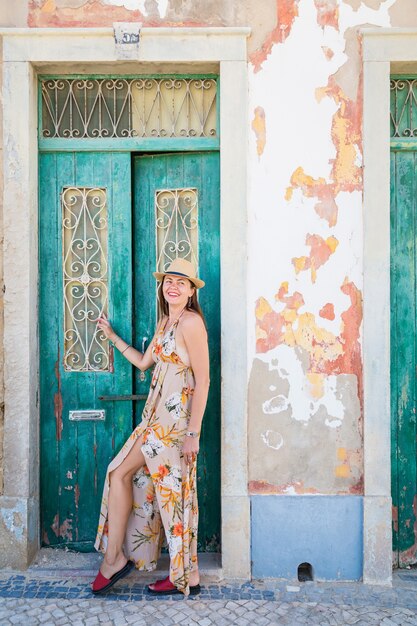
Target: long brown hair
[192, 304]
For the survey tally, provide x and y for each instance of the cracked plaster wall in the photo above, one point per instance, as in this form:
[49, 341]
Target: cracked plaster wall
[305, 225]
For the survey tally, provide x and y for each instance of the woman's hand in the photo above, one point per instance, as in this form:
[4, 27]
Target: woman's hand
[104, 325]
[190, 449]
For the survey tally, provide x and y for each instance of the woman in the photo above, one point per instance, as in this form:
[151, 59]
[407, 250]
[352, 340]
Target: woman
[151, 485]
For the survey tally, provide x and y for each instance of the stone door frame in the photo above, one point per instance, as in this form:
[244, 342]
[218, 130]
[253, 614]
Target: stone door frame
[27, 52]
[385, 51]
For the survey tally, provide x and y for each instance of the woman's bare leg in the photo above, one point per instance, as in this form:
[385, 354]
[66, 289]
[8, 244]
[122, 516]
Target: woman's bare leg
[119, 509]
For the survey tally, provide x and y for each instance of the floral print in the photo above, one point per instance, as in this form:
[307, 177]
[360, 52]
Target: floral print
[165, 489]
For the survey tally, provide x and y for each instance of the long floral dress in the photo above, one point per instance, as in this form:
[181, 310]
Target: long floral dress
[165, 489]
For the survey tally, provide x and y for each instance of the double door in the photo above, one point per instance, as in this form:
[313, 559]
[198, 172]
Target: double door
[107, 221]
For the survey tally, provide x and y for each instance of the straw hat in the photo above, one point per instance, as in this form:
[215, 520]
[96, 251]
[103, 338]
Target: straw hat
[181, 267]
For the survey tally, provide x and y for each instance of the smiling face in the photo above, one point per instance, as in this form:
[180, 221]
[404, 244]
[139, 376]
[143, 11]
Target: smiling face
[177, 290]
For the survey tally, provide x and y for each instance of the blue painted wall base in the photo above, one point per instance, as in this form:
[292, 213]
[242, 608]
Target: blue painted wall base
[325, 531]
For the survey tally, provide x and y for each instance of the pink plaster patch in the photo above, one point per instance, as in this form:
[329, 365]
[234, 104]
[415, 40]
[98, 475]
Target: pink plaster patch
[327, 312]
[92, 13]
[320, 252]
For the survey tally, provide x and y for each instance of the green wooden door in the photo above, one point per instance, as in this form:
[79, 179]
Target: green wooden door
[89, 261]
[176, 213]
[403, 354]
[85, 265]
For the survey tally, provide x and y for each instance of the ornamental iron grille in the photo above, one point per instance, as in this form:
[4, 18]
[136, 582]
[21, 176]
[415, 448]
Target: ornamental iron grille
[84, 235]
[403, 107]
[176, 218]
[93, 108]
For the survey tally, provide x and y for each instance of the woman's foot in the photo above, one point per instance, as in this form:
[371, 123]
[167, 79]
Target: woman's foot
[102, 583]
[110, 566]
[166, 587]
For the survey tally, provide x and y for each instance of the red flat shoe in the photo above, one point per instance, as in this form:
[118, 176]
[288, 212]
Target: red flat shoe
[166, 587]
[101, 583]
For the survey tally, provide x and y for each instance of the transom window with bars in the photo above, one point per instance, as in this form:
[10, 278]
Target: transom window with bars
[128, 107]
[403, 115]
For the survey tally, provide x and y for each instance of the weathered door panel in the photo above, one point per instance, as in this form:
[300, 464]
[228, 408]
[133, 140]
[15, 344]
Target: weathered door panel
[200, 173]
[75, 454]
[403, 355]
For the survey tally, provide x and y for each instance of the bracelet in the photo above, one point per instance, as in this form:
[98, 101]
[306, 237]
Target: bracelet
[127, 348]
[114, 342]
[192, 433]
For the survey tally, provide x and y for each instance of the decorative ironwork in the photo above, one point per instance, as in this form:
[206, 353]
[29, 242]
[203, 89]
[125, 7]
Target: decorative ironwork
[176, 218]
[80, 108]
[84, 234]
[403, 107]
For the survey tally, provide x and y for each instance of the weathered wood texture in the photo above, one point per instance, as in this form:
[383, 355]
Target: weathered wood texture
[74, 455]
[173, 171]
[403, 355]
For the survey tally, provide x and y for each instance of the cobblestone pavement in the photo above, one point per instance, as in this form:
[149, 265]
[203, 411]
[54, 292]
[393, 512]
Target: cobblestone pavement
[41, 597]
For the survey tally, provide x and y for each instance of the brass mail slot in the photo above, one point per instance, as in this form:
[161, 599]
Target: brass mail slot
[77, 416]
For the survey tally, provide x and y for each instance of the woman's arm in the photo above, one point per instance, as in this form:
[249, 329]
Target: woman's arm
[195, 339]
[140, 360]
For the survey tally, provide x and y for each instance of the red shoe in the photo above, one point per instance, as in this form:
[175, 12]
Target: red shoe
[101, 583]
[166, 587]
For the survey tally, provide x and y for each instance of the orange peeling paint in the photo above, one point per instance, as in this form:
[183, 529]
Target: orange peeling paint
[316, 385]
[320, 251]
[326, 207]
[259, 128]
[327, 312]
[342, 471]
[342, 454]
[329, 353]
[346, 174]
[287, 11]
[328, 53]
[346, 136]
[93, 13]
[350, 361]
[270, 329]
[295, 301]
[327, 13]
[262, 308]
[49, 6]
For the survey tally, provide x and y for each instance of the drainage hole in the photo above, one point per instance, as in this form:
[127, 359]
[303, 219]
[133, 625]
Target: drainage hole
[305, 572]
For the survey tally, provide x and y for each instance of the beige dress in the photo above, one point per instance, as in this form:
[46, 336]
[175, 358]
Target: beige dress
[165, 489]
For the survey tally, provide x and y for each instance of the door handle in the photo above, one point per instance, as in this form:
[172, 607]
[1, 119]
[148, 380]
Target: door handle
[135, 396]
[144, 342]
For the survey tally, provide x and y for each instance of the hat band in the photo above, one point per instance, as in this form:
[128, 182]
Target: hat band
[177, 274]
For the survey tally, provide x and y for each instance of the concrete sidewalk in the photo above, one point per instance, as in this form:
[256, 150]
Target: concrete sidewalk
[55, 590]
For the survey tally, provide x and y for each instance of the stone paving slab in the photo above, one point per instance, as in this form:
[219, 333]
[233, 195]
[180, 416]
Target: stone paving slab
[34, 612]
[39, 596]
